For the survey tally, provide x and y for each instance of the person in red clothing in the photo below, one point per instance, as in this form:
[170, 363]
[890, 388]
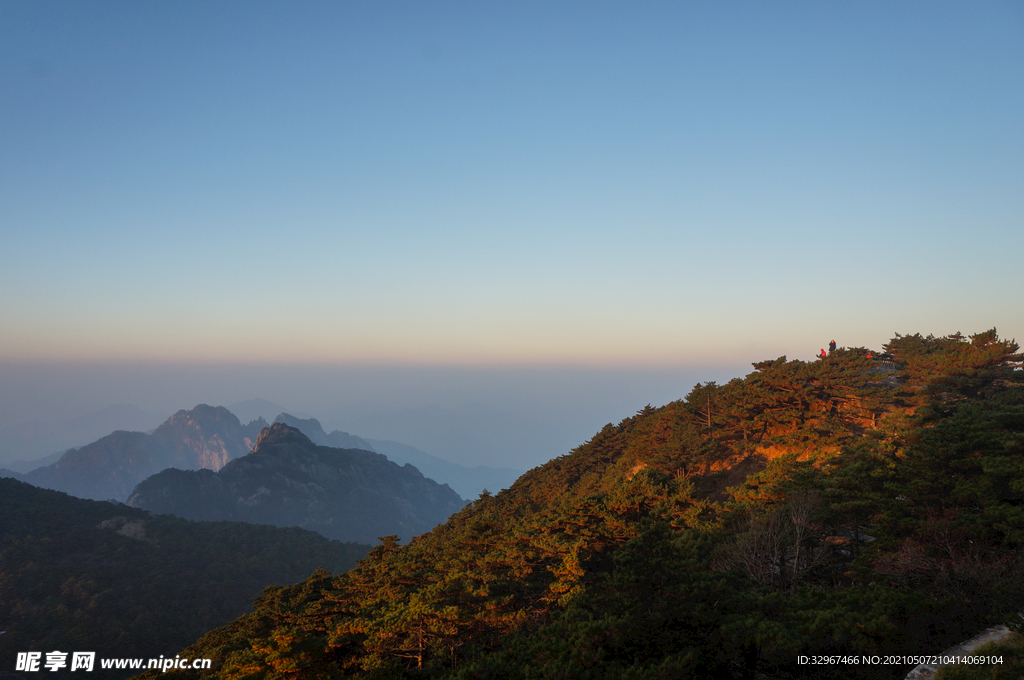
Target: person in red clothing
[822, 352]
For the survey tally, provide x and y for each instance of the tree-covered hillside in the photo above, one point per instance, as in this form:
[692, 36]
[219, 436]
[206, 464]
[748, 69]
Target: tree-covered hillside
[859, 504]
[88, 575]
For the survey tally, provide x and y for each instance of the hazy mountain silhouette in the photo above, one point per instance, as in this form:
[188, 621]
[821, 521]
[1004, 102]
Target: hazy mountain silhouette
[253, 409]
[287, 480]
[205, 437]
[311, 428]
[467, 481]
[23, 466]
[4, 472]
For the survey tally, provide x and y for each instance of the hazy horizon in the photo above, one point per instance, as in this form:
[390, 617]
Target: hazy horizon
[514, 417]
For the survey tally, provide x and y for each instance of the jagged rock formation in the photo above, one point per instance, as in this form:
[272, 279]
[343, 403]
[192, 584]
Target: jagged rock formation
[205, 437]
[287, 480]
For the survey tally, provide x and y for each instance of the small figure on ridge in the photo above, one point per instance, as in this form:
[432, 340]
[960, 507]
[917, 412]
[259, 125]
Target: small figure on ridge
[832, 346]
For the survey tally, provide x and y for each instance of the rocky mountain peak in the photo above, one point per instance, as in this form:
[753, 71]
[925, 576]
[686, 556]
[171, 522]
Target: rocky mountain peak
[203, 418]
[260, 422]
[279, 433]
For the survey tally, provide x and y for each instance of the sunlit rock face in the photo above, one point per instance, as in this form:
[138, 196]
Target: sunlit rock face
[205, 437]
[287, 480]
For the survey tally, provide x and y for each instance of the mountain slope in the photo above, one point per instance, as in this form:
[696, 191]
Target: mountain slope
[23, 466]
[87, 575]
[723, 535]
[205, 437]
[107, 468]
[287, 480]
[467, 482]
[4, 472]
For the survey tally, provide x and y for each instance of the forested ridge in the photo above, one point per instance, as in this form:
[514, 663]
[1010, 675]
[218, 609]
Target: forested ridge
[855, 504]
[81, 575]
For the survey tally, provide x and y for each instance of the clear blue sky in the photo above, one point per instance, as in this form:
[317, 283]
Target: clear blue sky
[590, 184]
[484, 182]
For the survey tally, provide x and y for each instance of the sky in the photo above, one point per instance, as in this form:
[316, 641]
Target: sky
[528, 201]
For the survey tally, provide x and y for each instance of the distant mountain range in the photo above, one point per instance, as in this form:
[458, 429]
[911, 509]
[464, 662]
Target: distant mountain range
[312, 428]
[110, 467]
[467, 482]
[23, 466]
[203, 464]
[254, 409]
[288, 480]
[208, 437]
